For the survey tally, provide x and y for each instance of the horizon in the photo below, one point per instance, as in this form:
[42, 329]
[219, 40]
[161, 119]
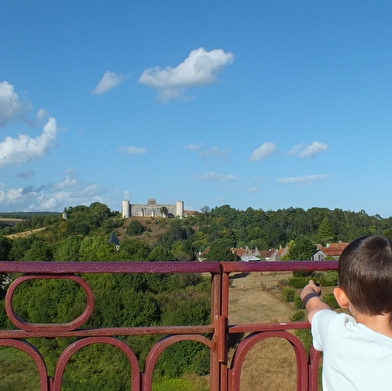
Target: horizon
[259, 104]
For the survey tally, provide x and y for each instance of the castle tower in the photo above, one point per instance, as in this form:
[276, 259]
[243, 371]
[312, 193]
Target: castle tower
[125, 209]
[180, 209]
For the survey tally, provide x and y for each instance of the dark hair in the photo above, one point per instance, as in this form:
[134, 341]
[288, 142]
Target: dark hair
[365, 274]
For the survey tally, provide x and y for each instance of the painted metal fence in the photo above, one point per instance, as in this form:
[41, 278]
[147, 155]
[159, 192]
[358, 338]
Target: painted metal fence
[225, 374]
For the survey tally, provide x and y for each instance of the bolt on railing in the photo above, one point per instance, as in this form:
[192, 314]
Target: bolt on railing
[225, 374]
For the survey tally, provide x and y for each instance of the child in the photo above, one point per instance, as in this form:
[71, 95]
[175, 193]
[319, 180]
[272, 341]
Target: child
[357, 349]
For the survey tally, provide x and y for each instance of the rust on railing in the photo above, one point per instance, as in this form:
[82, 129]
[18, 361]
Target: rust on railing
[225, 375]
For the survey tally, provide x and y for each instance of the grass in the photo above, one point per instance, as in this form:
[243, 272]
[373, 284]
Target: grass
[18, 371]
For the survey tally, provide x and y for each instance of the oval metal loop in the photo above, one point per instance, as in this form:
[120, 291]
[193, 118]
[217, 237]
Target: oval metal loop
[27, 326]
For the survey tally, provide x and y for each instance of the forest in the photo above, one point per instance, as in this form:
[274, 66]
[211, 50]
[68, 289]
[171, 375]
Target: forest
[146, 300]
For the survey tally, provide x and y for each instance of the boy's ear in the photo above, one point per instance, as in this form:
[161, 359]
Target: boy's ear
[341, 297]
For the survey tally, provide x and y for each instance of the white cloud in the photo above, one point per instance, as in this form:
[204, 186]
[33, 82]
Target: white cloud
[54, 197]
[200, 68]
[24, 148]
[212, 176]
[193, 147]
[10, 106]
[263, 151]
[66, 183]
[304, 179]
[132, 150]
[108, 81]
[215, 151]
[308, 151]
[253, 189]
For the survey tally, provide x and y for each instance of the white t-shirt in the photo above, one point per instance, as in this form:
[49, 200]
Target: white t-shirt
[354, 356]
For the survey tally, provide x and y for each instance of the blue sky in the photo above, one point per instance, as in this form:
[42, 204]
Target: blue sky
[262, 104]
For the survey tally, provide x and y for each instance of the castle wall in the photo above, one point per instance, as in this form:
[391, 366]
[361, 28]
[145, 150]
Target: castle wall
[151, 209]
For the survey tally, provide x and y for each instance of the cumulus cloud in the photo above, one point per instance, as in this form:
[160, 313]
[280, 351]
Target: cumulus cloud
[108, 81]
[214, 177]
[215, 151]
[304, 179]
[67, 183]
[193, 147]
[253, 189]
[308, 151]
[263, 151]
[24, 148]
[132, 150]
[10, 106]
[50, 197]
[199, 68]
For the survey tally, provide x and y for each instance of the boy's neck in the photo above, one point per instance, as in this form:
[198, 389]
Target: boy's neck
[379, 323]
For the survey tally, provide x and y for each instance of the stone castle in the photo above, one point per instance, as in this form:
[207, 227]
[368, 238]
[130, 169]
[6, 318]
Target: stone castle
[152, 209]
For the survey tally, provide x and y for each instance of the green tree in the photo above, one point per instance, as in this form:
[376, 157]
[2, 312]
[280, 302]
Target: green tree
[39, 251]
[324, 233]
[160, 253]
[135, 228]
[68, 249]
[220, 251]
[302, 249]
[164, 211]
[133, 250]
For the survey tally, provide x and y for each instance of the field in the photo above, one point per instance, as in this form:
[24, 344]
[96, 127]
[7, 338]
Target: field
[270, 365]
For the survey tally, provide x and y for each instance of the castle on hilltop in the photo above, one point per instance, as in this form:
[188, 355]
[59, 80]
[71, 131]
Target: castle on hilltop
[152, 209]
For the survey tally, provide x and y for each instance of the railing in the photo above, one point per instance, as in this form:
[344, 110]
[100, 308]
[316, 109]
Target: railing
[225, 374]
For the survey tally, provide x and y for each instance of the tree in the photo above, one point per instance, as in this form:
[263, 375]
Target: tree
[220, 251]
[135, 228]
[164, 211]
[302, 249]
[324, 233]
[39, 251]
[160, 253]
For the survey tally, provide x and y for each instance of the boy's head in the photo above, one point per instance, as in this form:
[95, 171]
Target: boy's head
[365, 274]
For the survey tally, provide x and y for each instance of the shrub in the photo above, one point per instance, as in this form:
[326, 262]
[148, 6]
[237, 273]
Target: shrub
[288, 294]
[298, 282]
[135, 228]
[298, 305]
[331, 301]
[303, 273]
[330, 278]
[298, 316]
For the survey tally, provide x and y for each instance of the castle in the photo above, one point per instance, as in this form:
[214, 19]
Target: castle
[152, 209]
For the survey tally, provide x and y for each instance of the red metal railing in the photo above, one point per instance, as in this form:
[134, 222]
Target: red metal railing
[224, 375]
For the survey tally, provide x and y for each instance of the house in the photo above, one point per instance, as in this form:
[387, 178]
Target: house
[114, 241]
[268, 255]
[278, 254]
[330, 251]
[246, 254]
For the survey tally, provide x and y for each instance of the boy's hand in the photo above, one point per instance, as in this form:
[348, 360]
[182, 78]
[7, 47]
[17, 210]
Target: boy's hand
[310, 288]
[313, 304]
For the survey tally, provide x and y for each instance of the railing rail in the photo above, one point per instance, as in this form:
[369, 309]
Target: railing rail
[224, 375]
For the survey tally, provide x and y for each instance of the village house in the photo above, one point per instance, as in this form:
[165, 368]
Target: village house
[330, 251]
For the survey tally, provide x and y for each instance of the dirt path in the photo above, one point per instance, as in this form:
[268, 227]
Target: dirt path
[270, 365]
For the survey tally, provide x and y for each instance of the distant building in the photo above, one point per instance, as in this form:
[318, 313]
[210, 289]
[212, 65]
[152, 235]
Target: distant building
[330, 251]
[246, 254]
[152, 209]
[114, 241]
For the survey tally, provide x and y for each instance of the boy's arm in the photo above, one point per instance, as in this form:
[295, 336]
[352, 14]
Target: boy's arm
[310, 295]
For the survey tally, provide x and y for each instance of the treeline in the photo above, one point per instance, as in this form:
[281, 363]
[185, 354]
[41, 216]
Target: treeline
[84, 235]
[147, 300]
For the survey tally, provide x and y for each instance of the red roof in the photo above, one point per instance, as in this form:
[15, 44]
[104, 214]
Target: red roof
[333, 249]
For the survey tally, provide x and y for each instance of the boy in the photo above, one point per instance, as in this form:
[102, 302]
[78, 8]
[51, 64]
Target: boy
[357, 349]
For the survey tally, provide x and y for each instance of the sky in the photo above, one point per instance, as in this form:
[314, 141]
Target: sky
[261, 104]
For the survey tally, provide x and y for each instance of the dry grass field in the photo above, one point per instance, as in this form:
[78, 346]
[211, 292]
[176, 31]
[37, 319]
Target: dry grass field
[270, 365]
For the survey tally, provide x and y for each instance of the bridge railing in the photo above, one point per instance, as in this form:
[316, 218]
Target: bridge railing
[225, 373]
